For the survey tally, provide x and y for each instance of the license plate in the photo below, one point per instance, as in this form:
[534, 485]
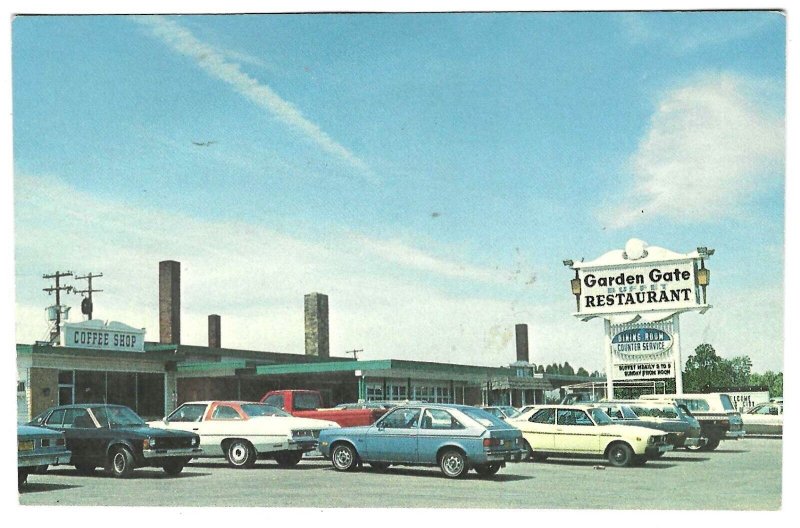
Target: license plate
[25, 445]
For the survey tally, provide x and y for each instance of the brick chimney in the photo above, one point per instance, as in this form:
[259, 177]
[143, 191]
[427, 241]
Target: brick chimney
[522, 342]
[169, 301]
[316, 325]
[214, 331]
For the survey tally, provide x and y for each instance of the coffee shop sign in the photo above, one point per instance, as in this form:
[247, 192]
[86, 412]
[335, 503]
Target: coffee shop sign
[96, 334]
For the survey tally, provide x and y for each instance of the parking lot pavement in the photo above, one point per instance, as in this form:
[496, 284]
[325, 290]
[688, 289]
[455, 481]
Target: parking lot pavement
[740, 475]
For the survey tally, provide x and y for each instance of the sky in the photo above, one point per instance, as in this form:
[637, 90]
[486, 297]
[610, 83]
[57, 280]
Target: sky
[428, 172]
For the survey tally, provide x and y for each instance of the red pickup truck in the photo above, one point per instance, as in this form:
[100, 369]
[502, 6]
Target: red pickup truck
[307, 403]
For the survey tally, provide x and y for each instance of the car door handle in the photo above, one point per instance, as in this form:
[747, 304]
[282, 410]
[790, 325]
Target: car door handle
[195, 428]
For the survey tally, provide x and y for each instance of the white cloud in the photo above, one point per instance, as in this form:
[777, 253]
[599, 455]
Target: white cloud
[255, 278]
[215, 63]
[710, 147]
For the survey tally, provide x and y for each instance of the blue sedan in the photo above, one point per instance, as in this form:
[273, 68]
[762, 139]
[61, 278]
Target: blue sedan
[453, 437]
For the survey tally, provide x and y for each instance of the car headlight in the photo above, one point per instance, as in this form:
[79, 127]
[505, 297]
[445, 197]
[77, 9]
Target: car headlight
[149, 443]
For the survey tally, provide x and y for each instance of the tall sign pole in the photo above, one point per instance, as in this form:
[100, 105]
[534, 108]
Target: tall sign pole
[57, 290]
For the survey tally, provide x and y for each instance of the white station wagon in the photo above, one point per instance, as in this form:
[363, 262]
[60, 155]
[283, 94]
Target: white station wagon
[587, 431]
[244, 432]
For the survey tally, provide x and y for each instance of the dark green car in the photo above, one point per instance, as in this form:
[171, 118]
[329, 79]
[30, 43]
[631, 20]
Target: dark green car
[115, 438]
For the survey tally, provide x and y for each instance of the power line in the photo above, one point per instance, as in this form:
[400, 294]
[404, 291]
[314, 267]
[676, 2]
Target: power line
[86, 305]
[354, 352]
[57, 289]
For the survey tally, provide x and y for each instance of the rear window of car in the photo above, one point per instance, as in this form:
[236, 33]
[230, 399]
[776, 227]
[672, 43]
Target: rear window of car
[484, 418]
[696, 405]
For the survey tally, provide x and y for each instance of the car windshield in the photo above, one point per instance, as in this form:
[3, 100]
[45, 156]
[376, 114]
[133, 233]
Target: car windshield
[600, 417]
[484, 418]
[116, 416]
[259, 409]
[509, 411]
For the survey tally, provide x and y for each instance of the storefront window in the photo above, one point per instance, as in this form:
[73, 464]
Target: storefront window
[375, 392]
[396, 392]
[151, 396]
[122, 389]
[90, 386]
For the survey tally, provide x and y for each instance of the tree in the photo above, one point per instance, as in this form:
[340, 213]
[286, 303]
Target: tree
[582, 372]
[705, 369]
[567, 369]
[772, 380]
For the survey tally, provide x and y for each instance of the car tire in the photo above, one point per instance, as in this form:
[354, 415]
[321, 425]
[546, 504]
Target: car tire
[121, 462]
[620, 455]
[22, 477]
[379, 466]
[240, 454]
[85, 469]
[538, 457]
[344, 457]
[487, 470]
[290, 459]
[174, 467]
[528, 455]
[453, 464]
[711, 445]
[639, 460]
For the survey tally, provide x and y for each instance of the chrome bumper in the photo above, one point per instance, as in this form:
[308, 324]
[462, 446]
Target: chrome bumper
[182, 452]
[695, 441]
[734, 434]
[505, 456]
[303, 444]
[43, 459]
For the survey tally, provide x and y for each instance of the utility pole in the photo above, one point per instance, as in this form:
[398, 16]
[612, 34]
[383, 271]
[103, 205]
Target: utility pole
[86, 303]
[57, 289]
[354, 352]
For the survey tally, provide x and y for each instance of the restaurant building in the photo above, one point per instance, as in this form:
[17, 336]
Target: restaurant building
[97, 361]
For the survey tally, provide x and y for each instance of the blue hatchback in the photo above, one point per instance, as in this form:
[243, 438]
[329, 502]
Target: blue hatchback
[456, 438]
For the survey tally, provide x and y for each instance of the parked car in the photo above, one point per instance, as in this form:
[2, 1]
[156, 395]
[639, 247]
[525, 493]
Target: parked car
[681, 427]
[504, 412]
[719, 419]
[764, 419]
[456, 438]
[38, 448]
[364, 405]
[583, 430]
[116, 438]
[244, 432]
[308, 404]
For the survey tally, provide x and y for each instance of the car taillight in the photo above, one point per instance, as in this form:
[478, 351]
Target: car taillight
[491, 442]
[60, 442]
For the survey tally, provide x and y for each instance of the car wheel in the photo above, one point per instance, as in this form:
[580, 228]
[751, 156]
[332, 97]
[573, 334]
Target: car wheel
[711, 445]
[528, 451]
[487, 470]
[344, 457]
[85, 469]
[620, 455]
[121, 462]
[290, 459]
[639, 460]
[174, 467]
[22, 477]
[453, 464]
[240, 454]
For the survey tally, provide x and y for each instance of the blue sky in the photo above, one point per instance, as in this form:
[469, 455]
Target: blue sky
[427, 171]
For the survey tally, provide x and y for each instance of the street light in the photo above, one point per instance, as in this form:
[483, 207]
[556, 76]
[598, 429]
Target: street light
[575, 284]
[704, 274]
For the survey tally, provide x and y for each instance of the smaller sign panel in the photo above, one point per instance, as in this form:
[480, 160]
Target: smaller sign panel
[640, 341]
[644, 370]
[103, 336]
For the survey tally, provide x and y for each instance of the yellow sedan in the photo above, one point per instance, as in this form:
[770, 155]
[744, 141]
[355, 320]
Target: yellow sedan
[587, 431]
